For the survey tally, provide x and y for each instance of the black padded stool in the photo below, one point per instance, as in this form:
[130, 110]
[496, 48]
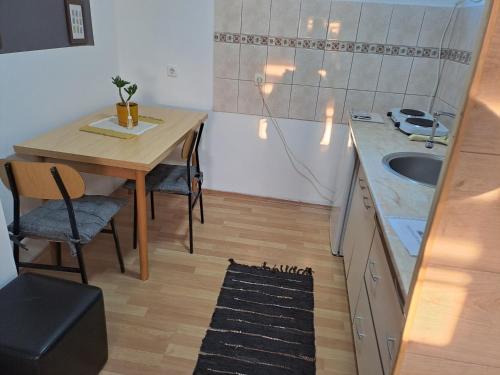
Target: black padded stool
[50, 326]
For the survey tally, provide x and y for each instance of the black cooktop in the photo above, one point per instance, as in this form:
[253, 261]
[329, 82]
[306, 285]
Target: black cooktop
[423, 122]
[412, 112]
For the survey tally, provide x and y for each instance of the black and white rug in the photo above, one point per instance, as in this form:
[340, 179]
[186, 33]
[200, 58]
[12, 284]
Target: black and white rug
[263, 323]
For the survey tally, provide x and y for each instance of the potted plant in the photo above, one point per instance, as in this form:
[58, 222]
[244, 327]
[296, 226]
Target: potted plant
[126, 106]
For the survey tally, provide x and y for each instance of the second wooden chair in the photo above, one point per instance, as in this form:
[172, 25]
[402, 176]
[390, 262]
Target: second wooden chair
[176, 179]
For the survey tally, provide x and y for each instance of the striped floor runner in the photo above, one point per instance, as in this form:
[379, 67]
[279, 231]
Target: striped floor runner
[263, 323]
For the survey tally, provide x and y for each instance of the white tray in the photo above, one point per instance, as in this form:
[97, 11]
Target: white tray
[111, 123]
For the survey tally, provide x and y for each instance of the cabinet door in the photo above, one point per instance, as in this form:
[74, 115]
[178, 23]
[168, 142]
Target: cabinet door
[352, 228]
[385, 303]
[362, 228]
[367, 354]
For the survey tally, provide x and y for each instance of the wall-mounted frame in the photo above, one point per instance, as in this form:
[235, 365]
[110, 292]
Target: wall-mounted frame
[75, 21]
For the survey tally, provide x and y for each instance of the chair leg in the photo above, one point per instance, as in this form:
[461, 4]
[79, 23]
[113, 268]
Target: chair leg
[117, 246]
[152, 205]
[190, 224]
[134, 244]
[201, 203]
[58, 254]
[81, 264]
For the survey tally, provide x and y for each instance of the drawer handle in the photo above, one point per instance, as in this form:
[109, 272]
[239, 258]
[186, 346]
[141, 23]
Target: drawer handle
[360, 334]
[361, 185]
[391, 343]
[371, 267]
[366, 202]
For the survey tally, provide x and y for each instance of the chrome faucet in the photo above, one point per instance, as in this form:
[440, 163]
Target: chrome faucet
[435, 123]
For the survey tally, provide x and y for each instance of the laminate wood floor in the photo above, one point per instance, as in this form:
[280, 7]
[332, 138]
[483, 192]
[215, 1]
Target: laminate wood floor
[156, 327]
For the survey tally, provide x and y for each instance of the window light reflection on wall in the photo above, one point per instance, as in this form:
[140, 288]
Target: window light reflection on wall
[310, 24]
[267, 88]
[327, 135]
[263, 128]
[275, 70]
[334, 27]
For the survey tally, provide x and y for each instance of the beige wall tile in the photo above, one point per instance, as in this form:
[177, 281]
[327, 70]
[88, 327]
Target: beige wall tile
[249, 99]
[344, 19]
[285, 18]
[225, 95]
[330, 104]
[423, 76]
[252, 60]
[280, 64]
[278, 99]
[394, 74]
[374, 23]
[308, 64]
[467, 27]
[303, 102]
[255, 17]
[433, 26]
[314, 19]
[228, 16]
[453, 83]
[226, 60]
[406, 22]
[336, 66]
[365, 71]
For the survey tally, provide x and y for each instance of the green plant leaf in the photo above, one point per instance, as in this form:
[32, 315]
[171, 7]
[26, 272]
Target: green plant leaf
[131, 90]
[119, 82]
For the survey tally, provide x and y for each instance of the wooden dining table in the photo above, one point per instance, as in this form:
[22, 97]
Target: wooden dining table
[123, 158]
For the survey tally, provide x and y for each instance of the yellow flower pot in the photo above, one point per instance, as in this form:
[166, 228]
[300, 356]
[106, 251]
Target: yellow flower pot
[122, 113]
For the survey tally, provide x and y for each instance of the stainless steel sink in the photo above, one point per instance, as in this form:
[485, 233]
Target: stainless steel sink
[417, 167]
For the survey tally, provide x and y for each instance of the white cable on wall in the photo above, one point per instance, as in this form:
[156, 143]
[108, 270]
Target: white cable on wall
[294, 161]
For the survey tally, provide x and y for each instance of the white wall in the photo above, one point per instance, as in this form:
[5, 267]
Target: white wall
[234, 158]
[7, 265]
[41, 90]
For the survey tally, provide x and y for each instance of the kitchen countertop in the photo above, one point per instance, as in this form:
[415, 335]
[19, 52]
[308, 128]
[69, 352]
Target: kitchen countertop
[393, 195]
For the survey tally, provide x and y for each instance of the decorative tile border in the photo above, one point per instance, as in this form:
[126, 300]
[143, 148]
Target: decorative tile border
[462, 57]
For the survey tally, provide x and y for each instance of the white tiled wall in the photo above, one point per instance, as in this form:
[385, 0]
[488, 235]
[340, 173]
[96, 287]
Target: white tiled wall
[454, 75]
[313, 83]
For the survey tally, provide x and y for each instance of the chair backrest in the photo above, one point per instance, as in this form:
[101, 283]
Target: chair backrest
[36, 180]
[188, 143]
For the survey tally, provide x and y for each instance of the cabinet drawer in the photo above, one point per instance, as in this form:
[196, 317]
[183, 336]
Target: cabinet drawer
[385, 304]
[365, 341]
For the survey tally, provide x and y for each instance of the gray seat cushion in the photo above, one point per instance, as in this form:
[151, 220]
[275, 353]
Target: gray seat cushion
[51, 221]
[166, 178]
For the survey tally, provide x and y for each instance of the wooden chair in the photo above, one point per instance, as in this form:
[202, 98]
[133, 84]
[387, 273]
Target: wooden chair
[176, 179]
[67, 215]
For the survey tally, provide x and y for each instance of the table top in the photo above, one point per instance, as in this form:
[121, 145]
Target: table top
[143, 152]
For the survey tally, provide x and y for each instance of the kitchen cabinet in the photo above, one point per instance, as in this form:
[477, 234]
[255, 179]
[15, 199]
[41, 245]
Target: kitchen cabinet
[358, 237]
[385, 303]
[375, 304]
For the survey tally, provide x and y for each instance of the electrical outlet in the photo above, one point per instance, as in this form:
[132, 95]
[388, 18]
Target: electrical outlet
[172, 71]
[259, 79]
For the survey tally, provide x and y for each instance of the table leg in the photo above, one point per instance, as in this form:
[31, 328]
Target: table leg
[142, 223]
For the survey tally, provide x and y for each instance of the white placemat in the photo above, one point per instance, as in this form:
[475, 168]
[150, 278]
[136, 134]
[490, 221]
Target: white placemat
[111, 123]
[410, 231]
